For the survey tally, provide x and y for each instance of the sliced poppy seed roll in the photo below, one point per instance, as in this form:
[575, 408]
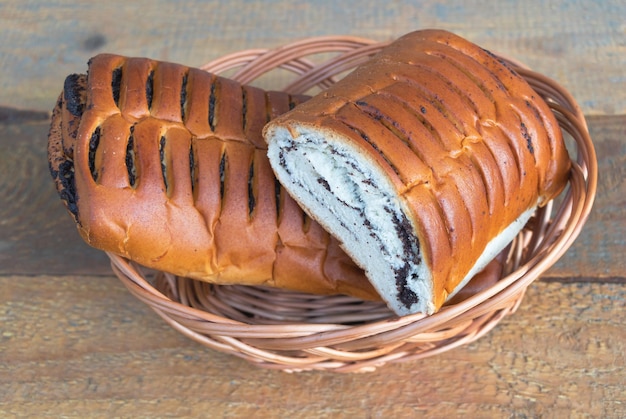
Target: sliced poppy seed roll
[424, 162]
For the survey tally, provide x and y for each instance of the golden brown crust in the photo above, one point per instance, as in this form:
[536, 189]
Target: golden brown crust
[166, 165]
[468, 144]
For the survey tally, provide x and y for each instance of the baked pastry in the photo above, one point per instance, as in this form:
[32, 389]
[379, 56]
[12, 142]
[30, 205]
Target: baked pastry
[424, 162]
[166, 166]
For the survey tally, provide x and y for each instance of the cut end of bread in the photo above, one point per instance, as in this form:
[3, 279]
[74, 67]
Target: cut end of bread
[359, 205]
[353, 198]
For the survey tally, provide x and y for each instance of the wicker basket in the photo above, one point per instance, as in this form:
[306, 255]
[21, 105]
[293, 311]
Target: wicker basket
[296, 331]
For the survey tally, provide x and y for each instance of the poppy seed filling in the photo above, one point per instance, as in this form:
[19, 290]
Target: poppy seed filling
[359, 207]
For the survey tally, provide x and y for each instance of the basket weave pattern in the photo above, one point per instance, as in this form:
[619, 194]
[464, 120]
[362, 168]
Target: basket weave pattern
[295, 331]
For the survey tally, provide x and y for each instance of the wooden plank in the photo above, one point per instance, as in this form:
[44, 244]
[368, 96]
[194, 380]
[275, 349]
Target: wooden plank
[577, 42]
[75, 343]
[84, 347]
[37, 236]
[599, 250]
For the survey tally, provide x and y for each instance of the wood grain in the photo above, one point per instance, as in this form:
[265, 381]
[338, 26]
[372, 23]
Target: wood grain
[577, 42]
[75, 343]
[599, 250]
[37, 236]
[83, 347]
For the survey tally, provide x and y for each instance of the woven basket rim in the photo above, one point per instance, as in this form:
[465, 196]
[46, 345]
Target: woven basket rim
[349, 346]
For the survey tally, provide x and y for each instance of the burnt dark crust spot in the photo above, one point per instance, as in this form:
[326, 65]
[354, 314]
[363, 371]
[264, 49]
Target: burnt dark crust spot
[277, 194]
[150, 89]
[116, 83]
[183, 96]
[130, 158]
[192, 166]
[251, 198]
[73, 93]
[212, 104]
[68, 182]
[94, 142]
[60, 164]
[222, 174]
[67, 186]
[163, 157]
[68, 193]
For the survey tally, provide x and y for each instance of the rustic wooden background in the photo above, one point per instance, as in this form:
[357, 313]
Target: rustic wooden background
[75, 343]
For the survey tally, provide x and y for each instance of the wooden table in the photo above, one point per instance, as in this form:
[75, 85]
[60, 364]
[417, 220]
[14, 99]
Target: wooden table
[75, 343]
